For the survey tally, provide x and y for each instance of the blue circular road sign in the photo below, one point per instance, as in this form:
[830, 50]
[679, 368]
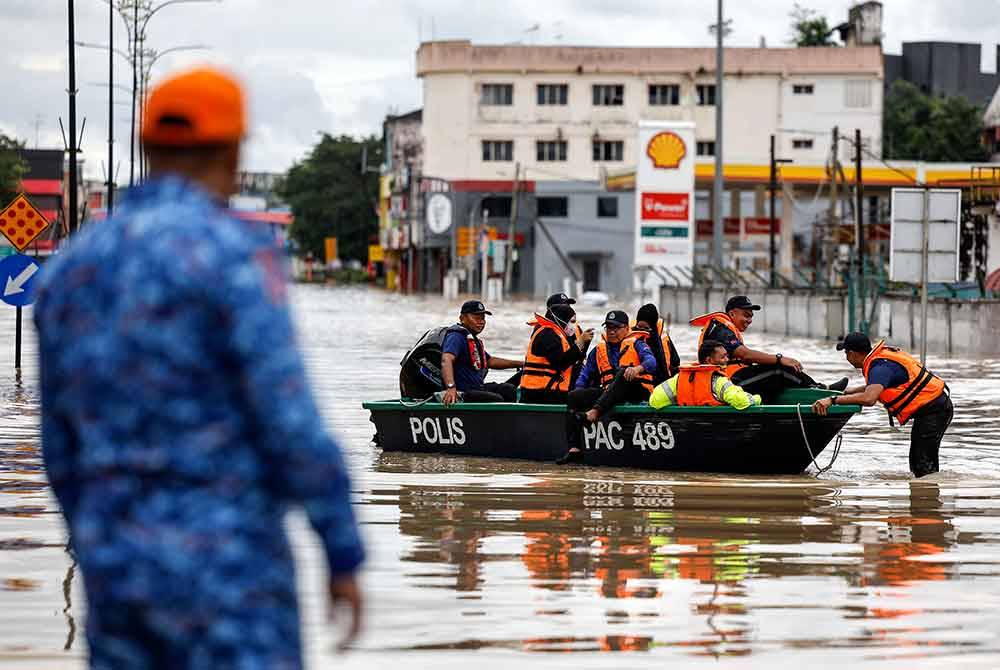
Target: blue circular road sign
[17, 279]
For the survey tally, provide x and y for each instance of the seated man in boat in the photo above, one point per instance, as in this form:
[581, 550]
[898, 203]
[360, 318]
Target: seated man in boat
[907, 390]
[464, 361]
[619, 369]
[756, 371]
[577, 336]
[553, 354]
[667, 359]
[704, 384]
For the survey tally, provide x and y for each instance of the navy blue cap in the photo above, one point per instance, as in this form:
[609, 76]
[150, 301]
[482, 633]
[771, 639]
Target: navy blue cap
[559, 299]
[741, 302]
[474, 307]
[617, 317]
[858, 342]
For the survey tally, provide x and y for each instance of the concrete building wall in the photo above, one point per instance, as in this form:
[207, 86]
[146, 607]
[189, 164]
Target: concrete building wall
[584, 238]
[943, 68]
[759, 102]
[954, 327]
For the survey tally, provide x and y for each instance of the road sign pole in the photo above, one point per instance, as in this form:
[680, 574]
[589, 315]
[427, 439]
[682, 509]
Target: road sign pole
[17, 341]
[925, 253]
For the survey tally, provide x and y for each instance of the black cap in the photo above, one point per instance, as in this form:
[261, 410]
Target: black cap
[617, 317]
[741, 302]
[858, 342]
[474, 307]
[559, 299]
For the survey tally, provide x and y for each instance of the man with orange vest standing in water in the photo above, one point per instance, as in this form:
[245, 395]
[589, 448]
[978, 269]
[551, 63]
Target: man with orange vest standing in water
[906, 388]
[619, 369]
[756, 371]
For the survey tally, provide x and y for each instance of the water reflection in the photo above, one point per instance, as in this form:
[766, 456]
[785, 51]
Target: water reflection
[530, 563]
[629, 542]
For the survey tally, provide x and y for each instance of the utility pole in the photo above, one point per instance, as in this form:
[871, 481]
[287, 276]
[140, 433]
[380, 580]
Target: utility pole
[111, 107]
[73, 210]
[718, 230]
[859, 231]
[411, 254]
[832, 210]
[135, 88]
[509, 258]
[773, 187]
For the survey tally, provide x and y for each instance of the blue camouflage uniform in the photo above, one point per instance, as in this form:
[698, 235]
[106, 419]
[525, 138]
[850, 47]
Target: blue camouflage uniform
[177, 427]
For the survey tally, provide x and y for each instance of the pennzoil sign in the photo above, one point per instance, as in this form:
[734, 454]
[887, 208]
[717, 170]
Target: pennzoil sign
[666, 149]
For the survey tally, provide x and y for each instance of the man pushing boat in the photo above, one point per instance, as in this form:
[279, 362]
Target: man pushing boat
[758, 372]
[907, 389]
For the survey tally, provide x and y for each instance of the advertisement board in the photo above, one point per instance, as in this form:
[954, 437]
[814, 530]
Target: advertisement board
[664, 213]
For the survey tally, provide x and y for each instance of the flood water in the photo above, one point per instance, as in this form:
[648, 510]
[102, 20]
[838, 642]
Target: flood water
[491, 564]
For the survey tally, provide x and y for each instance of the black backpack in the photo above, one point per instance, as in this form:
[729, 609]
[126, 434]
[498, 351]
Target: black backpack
[420, 376]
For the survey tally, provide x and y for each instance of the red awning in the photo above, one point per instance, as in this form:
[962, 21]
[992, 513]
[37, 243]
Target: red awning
[42, 186]
[278, 218]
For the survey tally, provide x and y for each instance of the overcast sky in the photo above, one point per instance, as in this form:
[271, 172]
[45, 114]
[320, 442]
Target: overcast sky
[339, 66]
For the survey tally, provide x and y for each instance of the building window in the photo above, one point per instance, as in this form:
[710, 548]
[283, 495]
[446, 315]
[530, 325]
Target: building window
[607, 207]
[802, 144]
[553, 94]
[496, 205]
[609, 150]
[554, 150]
[706, 148]
[497, 94]
[706, 95]
[664, 94]
[857, 94]
[553, 206]
[802, 89]
[609, 95]
[498, 150]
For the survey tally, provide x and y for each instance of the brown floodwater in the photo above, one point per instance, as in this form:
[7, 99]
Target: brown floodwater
[494, 563]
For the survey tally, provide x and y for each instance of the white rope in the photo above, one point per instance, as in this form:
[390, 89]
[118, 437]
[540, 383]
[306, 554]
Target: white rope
[805, 440]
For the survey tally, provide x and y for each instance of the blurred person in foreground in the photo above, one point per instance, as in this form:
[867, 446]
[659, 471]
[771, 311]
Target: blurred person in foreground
[177, 423]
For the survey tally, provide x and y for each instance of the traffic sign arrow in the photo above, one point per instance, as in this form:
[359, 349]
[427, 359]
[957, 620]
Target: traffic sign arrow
[15, 284]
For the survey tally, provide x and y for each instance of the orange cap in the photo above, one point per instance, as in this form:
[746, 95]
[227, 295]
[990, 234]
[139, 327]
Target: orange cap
[195, 108]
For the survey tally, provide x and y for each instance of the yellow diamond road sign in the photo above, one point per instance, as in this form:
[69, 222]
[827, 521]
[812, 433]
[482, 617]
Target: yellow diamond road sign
[21, 222]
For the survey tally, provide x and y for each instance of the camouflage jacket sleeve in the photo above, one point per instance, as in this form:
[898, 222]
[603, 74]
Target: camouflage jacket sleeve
[306, 465]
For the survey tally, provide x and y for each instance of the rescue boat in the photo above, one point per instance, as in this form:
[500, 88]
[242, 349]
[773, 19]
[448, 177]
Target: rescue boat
[777, 439]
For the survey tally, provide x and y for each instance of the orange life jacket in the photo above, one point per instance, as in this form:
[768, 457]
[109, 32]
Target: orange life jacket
[627, 358]
[664, 334]
[705, 322]
[694, 385]
[922, 386]
[538, 374]
[579, 331]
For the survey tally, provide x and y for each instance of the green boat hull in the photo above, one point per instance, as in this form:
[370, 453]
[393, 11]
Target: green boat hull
[758, 440]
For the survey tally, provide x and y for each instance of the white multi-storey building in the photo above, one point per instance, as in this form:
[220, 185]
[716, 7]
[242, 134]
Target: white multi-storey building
[567, 112]
[568, 116]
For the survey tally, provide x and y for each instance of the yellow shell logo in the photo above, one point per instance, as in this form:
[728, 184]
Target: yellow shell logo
[666, 149]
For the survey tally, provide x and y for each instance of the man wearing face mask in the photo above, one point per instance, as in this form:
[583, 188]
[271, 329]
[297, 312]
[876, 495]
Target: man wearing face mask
[553, 351]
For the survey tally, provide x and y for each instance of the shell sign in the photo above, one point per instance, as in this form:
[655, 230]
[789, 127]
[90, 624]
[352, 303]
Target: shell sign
[664, 200]
[667, 150]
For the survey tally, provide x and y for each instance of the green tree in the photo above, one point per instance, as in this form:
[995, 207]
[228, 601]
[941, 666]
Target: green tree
[330, 196]
[809, 29]
[916, 126]
[12, 169]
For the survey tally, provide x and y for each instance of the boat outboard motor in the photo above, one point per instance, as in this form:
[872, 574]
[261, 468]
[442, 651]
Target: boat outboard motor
[420, 376]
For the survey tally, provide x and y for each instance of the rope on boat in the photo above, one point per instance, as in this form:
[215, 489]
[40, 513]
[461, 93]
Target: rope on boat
[415, 404]
[805, 439]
